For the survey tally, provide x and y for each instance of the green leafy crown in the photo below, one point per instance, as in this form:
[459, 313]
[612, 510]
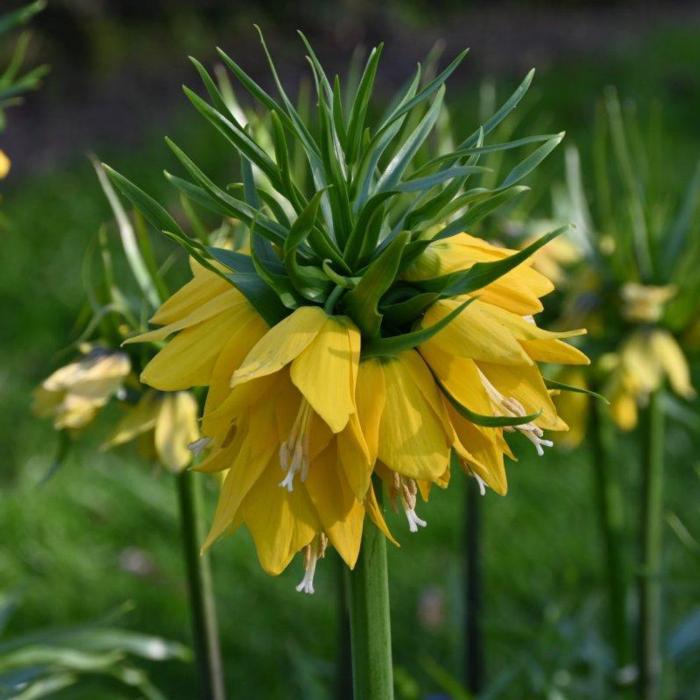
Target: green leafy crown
[368, 198]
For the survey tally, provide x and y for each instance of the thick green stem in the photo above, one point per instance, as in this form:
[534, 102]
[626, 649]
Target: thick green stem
[343, 679]
[201, 595]
[370, 625]
[650, 540]
[609, 504]
[473, 632]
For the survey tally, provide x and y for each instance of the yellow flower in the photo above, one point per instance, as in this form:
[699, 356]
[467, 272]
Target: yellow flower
[297, 422]
[644, 303]
[5, 164]
[167, 421]
[518, 291]
[644, 361]
[73, 394]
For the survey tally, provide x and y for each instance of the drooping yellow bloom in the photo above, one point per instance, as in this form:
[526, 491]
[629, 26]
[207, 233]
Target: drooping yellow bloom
[645, 360]
[166, 424]
[73, 394]
[297, 422]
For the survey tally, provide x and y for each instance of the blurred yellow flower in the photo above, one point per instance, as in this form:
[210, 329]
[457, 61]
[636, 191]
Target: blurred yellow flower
[166, 424]
[298, 421]
[5, 164]
[554, 259]
[644, 361]
[572, 407]
[73, 394]
[644, 303]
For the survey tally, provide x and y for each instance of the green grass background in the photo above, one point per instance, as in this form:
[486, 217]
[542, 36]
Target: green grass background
[64, 542]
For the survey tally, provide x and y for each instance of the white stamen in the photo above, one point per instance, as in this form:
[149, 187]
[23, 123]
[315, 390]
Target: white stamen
[482, 484]
[297, 448]
[408, 490]
[414, 522]
[307, 583]
[510, 406]
[312, 553]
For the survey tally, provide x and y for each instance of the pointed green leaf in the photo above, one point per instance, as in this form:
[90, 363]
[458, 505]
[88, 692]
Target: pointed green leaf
[486, 421]
[363, 301]
[392, 346]
[482, 274]
[575, 389]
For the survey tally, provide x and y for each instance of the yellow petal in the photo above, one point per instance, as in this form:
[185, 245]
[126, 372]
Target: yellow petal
[623, 409]
[573, 408]
[353, 457]
[555, 351]
[342, 515]
[205, 286]
[229, 360]
[374, 511]
[256, 453]
[4, 165]
[528, 387]
[326, 371]
[189, 358]
[280, 522]
[137, 420]
[176, 427]
[281, 344]
[673, 361]
[477, 333]
[483, 451]
[460, 376]
[231, 299]
[413, 440]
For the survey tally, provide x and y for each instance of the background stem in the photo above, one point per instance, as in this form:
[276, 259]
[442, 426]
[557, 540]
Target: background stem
[650, 564]
[199, 585]
[473, 632]
[609, 506]
[370, 625]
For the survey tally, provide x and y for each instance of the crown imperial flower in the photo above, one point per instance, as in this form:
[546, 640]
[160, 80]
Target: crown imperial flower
[366, 337]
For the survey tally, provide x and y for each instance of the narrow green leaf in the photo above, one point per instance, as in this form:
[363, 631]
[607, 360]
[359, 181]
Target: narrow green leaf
[575, 389]
[235, 135]
[358, 113]
[479, 211]
[410, 146]
[392, 346]
[425, 183]
[482, 420]
[506, 108]
[405, 312]
[531, 162]
[363, 301]
[482, 274]
[425, 93]
[130, 245]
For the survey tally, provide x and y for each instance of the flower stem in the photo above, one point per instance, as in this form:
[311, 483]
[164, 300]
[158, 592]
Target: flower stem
[343, 679]
[474, 641]
[650, 540]
[370, 625]
[201, 595]
[609, 504]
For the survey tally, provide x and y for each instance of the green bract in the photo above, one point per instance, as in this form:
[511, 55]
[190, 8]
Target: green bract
[338, 204]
